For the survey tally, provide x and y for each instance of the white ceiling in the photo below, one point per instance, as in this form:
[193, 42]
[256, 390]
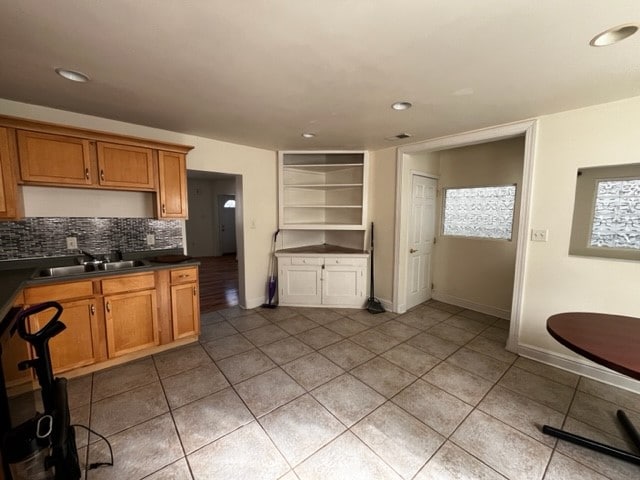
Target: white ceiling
[260, 72]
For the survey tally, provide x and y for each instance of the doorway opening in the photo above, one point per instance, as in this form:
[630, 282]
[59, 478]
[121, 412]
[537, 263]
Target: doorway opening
[211, 236]
[425, 157]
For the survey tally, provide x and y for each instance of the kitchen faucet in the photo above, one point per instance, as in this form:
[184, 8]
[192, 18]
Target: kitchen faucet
[94, 259]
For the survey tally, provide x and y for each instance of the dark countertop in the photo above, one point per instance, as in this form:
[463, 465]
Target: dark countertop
[16, 275]
[324, 249]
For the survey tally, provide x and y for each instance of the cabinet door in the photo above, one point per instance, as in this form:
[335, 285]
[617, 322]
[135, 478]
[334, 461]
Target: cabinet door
[132, 322]
[46, 158]
[300, 285]
[185, 310]
[343, 285]
[8, 186]
[14, 351]
[77, 345]
[125, 166]
[172, 194]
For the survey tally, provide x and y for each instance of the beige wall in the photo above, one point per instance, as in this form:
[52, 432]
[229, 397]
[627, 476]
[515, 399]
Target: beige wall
[555, 281]
[473, 271]
[257, 167]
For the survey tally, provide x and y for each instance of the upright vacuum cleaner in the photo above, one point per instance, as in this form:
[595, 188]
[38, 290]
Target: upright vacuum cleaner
[272, 282]
[373, 304]
[43, 447]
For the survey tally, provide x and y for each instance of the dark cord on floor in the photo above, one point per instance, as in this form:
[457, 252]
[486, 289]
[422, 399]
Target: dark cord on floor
[98, 464]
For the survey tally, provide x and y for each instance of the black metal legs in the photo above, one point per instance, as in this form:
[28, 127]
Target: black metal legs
[601, 447]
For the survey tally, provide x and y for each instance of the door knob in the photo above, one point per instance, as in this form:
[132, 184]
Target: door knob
[412, 250]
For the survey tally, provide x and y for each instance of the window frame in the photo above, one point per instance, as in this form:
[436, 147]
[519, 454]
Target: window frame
[584, 210]
[474, 237]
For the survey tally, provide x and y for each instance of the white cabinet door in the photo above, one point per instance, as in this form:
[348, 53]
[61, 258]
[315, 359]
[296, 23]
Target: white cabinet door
[300, 284]
[343, 285]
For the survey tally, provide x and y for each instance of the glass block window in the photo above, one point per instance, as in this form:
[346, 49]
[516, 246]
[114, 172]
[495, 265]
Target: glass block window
[616, 214]
[229, 204]
[483, 212]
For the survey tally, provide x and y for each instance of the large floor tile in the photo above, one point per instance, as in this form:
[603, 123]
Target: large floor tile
[321, 316]
[125, 377]
[561, 376]
[227, 346]
[624, 398]
[564, 468]
[264, 335]
[521, 413]
[245, 365]
[397, 330]
[118, 412]
[297, 324]
[383, 376]
[246, 454]
[176, 471]
[278, 314]
[510, 452]
[346, 458]
[286, 350]
[347, 354]
[423, 318]
[436, 408]
[319, 337]
[491, 348]
[138, 451]
[348, 398]
[540, 389]
[301, 427]
[268, 390]
[375, 341]
[235, 311]
[371, 320]
[497, 334]
[446, 307]
[600, 414]
[346, 326]
[215, 331]
[398, 438]
[482, 365]
[478, 317]
[452, 334]
[433, 345]
[181, 359]
[79, 391]
[192, 385]
[411, 359]
[248, 322]
[472, 326]
[458, 382]
[453, 463]
[312, 370]
[209, 418]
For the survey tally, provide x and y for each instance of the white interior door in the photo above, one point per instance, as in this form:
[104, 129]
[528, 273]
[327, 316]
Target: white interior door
[421, 236]
[227, 223]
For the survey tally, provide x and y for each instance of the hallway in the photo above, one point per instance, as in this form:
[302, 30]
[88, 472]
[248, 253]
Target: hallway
[218, 282]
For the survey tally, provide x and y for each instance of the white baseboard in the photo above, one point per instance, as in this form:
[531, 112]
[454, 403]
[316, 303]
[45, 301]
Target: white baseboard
[478, 307]
[579, 367]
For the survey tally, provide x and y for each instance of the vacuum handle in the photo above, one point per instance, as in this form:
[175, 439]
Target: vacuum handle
[52, 328]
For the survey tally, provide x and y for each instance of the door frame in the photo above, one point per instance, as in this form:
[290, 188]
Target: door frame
[431, 176]
[528, 129]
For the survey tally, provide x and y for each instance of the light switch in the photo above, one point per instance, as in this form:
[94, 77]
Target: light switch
[151, 239]
[72, 243]
[539, 235]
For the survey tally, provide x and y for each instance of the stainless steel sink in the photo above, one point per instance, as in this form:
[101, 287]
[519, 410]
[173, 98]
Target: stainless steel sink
[63, 271]
[79, 269]
[120, 265]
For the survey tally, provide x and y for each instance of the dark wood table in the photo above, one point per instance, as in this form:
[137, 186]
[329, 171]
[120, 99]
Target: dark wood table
[609, 340]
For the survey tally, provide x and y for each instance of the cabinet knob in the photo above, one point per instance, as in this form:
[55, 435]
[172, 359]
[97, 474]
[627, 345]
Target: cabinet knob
[108, 306]
[93, 309]
[194, 291]
[86, 173]
[164, 209]
[102, 175]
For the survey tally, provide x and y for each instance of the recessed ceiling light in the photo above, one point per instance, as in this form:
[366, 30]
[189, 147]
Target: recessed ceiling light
[72, 75]
[613, 35]
[401, 106]
[308, 135]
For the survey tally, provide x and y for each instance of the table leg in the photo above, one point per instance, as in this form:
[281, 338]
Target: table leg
[601, 447]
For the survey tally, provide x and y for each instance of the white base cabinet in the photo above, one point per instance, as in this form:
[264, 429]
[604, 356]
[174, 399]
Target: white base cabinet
[307, 280]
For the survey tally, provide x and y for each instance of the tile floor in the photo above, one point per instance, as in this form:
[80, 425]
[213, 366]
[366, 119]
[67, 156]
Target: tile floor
[330, 394]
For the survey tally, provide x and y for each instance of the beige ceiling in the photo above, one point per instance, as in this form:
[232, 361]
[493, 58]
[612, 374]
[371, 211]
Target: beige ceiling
[260, 72]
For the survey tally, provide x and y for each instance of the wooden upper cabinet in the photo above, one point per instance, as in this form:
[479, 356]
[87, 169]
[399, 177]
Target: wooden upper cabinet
[125, 166]
[172, 193]
[10, 199]
[54, 159]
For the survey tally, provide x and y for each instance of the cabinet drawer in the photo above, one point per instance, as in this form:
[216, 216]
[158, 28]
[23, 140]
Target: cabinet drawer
[58, 291]
[306, 260]
[128, 283]
[184, 275]
[351, 261]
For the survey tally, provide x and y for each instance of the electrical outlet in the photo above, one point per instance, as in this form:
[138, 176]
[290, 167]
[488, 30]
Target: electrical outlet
[151, 239]
[72, 243]
[539, 235]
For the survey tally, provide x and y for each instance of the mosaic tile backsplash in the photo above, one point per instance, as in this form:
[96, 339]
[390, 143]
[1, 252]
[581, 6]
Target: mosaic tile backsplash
[46, 237]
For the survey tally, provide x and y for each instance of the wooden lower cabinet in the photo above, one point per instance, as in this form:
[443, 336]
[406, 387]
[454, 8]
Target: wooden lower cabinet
[77, 345]
[185, 310]
[131, 321]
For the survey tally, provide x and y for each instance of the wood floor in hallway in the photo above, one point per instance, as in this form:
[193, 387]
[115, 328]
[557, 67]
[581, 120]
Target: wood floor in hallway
[218, 282]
